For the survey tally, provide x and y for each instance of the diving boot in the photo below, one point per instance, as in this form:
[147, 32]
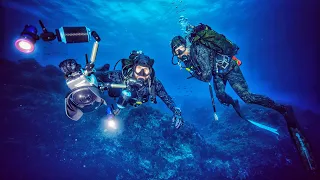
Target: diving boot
[236, 107]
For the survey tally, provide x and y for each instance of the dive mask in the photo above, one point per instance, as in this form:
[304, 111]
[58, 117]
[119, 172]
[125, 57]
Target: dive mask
[142, 70]
[180, 52]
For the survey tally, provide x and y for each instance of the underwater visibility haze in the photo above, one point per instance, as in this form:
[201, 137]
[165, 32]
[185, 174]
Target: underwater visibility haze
[101, 89]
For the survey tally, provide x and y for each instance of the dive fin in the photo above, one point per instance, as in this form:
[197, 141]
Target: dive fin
[273, 130]
[300, 141]
[303, 148]
[236, 107]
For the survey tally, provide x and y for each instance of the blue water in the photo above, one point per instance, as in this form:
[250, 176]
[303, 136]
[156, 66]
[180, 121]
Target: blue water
[278, 47]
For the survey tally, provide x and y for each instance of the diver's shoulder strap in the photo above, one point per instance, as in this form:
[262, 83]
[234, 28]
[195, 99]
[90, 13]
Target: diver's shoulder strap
[152, 90]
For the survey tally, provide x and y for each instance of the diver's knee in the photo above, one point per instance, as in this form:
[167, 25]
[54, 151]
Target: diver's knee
[247, 97]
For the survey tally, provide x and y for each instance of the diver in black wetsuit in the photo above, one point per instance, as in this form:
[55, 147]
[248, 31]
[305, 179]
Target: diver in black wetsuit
[137, 74]
[204, 63]
[208, 67]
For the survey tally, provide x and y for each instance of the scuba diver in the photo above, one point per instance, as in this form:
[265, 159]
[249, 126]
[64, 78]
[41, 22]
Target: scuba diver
[136, 79]
[210, 54]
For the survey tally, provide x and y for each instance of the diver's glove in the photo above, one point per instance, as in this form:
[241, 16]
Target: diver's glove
[177, 118]
[69, 66]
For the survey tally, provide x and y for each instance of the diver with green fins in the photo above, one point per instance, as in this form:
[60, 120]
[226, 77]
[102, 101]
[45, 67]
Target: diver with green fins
[133, 85]
[210, 55]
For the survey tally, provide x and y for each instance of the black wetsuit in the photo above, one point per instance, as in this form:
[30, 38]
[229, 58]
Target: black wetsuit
[206, 60]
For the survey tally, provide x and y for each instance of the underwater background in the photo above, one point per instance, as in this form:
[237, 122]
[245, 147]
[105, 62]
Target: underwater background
[278, 48]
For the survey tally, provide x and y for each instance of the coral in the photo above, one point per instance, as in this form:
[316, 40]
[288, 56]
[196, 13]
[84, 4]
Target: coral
[40, 141]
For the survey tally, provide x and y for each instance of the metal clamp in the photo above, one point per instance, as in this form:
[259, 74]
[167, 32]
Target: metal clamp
[223, 62]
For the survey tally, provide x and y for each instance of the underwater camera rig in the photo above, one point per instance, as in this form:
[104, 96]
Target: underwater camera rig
[86, 91]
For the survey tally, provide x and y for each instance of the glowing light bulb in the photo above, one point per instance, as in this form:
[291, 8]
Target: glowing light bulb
[112, 124]
[24, 45]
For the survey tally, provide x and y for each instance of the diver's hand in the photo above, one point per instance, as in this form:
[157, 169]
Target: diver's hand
[69, 66]
[177, 118]
[134, 83]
